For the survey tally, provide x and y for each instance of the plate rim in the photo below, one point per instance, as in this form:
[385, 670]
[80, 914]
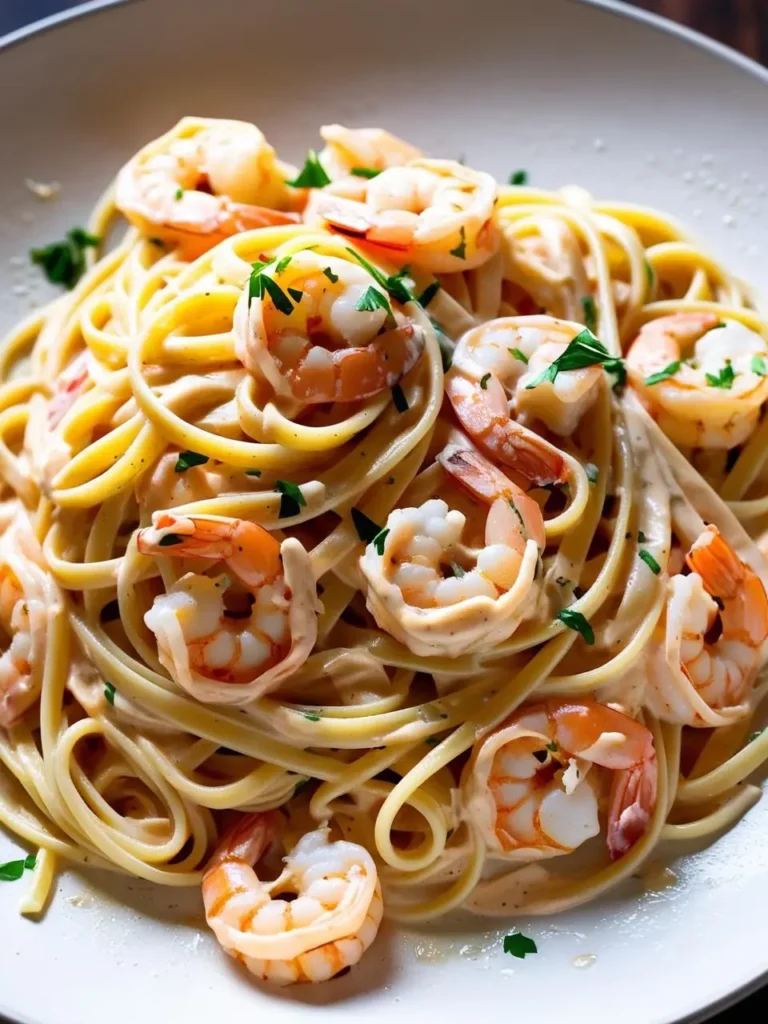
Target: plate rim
[691, 37]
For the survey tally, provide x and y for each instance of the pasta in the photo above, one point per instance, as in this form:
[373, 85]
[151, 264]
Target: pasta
[384, 517]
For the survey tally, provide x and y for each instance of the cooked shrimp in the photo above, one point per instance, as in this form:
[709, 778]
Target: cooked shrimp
[370, 149]
[432, 214]
[499, 361]
[549, 267]
[440, 596]
[709, 646]
[325, 929]
[253, 632]
[529, 786]
[28, 598]
[326, 349]
[712, 395]
[203, 181]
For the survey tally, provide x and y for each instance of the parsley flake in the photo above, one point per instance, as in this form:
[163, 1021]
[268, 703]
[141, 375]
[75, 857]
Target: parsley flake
[312, 174]
[724, 379]
[460, 252]
[292, 499]
[518, 177]
[279, 299]
[584, 350]
[12, 870]
[758, 366]
[109, 693]
[578, 623]
[296, 294]
[373, 299]
[428, 294]
[282, 264]
[519, 945]
[641, 537]
[590, 312]
[378, 541]
[367, 530]
[333, 278]
[592, 472]
[311, 716]
[394, 285]
[484, 381]
[518, 355]
[187, 460]
[365, 172]
[553, 746]
[665, 374]
[650, 561]
[178, 193]
[64, 262]
[399, 399]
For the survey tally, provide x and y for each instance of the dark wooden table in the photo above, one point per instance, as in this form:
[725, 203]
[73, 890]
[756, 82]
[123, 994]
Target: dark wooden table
[742, 24]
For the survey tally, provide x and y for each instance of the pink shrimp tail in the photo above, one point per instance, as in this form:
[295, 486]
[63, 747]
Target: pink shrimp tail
[632, 801]
[247, 839]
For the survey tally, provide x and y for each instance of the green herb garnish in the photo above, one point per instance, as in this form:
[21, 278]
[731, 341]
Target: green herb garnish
[724, 379]
[333, 278]
[641, 537]
[64, 262]
[312, 174]
[518, 178]
[178, 193]
[394, 284]
[460, 252]
[187, 460]
[484, 381]
[12, 870]
[519, 945]
[665, 374]
[584, 350]
[365, 172]
[428, 294]
[282, 264]
[378, 541]
[518, 355]
[109, 693]
[311, 716]
[367, 530]
[592, 472]
[590, 312]
[292, 499]
[578, 623]
[296, 294]
[373, 299]
[650, 561]
[758, 366]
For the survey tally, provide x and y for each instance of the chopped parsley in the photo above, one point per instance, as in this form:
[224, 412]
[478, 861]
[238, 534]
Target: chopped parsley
[296, 294]
[592, 472]
[379, 539]
[518, 177]
[724, 379]
[64, 262]
[394, 284]
[109, 693]
[584, 350]
[428, 294]
[12, 870]
[758, 366]
[311, 716]
[253, 472]
[590, 312]
[311, 175]
[519, 945]
[399, 399]
[333, 278]
[578, 623]
[373, 299]
[367, 530]
[553, 747]
[187, 460]
[460, 252]
[665, 374]
[282, 264]
[518, 355]
[169, 539]
[484, 381]
[178, 193]
[650, 561]
[279, 299]
[641, 537]
[365, 172]
[292, 499]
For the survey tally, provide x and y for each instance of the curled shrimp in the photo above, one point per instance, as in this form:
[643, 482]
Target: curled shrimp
[708, 649]
[328, 926]
[251, 632]
[370, 149]
[711, 393]
[322, 345]
[432, 214]
[440, 596]
[203, 181]
[28, 599]
[497, 362]
[529, 787]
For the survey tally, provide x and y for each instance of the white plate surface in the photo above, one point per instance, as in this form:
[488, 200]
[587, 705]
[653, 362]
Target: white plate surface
[572, 92]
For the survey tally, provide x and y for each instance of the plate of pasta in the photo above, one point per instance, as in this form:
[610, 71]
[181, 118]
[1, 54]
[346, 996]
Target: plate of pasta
[384, 515]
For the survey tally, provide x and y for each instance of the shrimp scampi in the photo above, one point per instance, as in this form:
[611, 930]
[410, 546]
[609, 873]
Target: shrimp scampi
[440, 595]
[230, 640]
[328, 926]
[534, 786]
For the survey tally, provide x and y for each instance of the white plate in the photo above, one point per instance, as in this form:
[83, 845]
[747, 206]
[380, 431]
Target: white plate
[570, 91]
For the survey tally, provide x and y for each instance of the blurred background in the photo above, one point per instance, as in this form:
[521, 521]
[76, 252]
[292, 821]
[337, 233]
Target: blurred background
[742, 24]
